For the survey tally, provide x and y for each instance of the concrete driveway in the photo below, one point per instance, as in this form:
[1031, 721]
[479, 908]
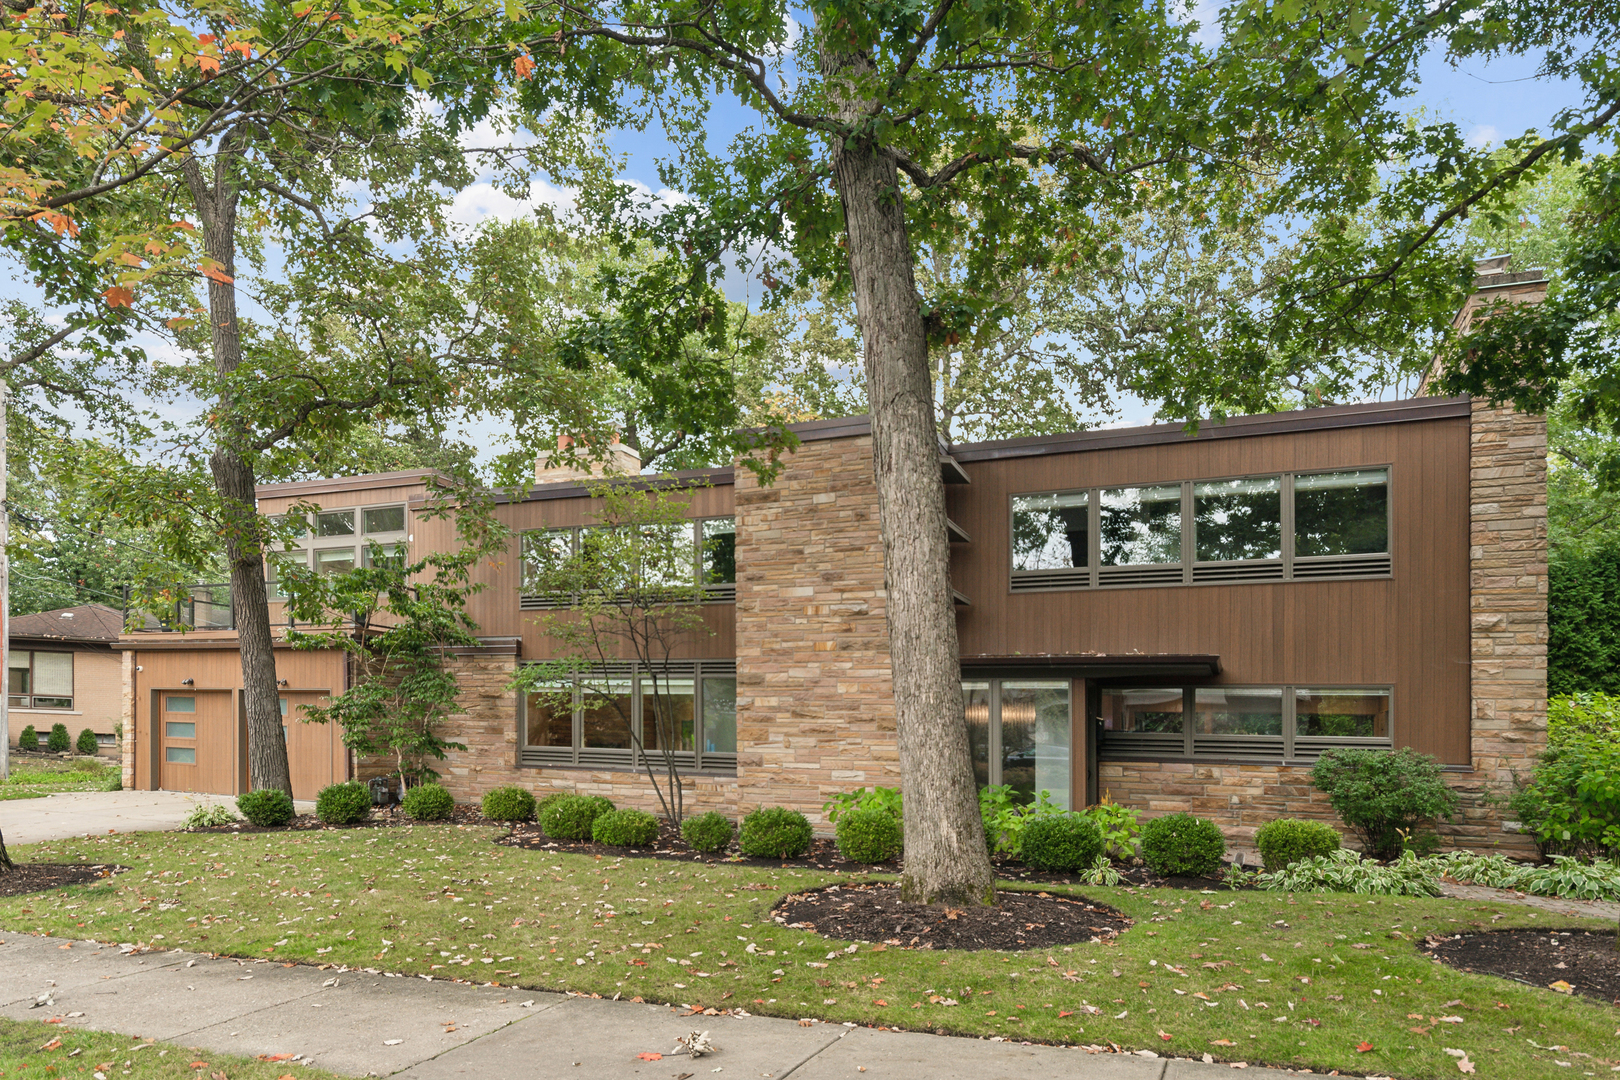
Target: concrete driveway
[75, 813]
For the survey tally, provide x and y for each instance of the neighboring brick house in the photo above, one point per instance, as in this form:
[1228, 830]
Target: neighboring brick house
[64, 669]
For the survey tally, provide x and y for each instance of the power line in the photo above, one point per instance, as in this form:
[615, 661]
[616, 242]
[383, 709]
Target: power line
[72, 585]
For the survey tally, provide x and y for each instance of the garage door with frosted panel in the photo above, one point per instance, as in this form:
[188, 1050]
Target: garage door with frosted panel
[197, 742]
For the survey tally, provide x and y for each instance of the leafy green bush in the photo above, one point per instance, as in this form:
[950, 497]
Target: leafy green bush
[1585, 713]
[775, 832]
[1288, 840]
[625, 828]
[1180, 845]
[547, 800]
[1005, 817]
[86, 742]
[1347, 871]
[868, 834]
[571, 817]
[1381, 794]
[707, 832]
[1583, 628]
[267, 808]
[1570, 802]
[427, 802]
[513, 804]
[1118, 825]
[28, 738]
[208, 815]
[1062, 843]
[59, 741]
[879, 798]
[343, 804]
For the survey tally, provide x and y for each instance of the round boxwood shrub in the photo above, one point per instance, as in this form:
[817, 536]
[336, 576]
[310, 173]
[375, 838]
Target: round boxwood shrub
[1180, 845]
[1285, 841]
[625, 828]
[427, 802]
[868, 835]
[571, 817]
[508, 804]
[547, 800]
[28, 738]
[1061, 843]
[267, 808]
[343, 804]
[86, 743]
[707, 832]
[59, 741]
[775, 832]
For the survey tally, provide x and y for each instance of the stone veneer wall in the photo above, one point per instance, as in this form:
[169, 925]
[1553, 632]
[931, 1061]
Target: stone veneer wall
[127, 718]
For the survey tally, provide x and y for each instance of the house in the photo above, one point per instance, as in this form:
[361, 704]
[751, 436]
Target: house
[63, 668]
[1174, 621]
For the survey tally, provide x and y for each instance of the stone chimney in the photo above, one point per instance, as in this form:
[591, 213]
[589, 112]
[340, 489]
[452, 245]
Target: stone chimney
[621, 461]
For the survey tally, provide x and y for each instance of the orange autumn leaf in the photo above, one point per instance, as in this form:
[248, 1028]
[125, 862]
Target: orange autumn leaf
[650, 1055]
[1222, 1042]
[199, 1065]
[1061, 1015]
[1362, 1048]
[214, 273]
[524, 65]
[119, 296]
[207, 63]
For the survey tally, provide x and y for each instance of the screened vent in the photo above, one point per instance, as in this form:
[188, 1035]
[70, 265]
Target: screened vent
[607, 759]
[1141, 575]
[544, 603]
[1134, 744]
[1308, 748]
[1033, 580]
[1236, 573]
[1254, 747]
[1342, 566]
[722, 593]
[547, 755]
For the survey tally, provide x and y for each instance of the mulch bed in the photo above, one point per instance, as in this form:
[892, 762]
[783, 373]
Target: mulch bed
[1020, 920]
[1584, 960]
[379, 819]
[26, 878]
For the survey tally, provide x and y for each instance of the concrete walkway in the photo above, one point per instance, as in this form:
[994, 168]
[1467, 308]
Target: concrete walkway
[362, 1024]
[75, 813]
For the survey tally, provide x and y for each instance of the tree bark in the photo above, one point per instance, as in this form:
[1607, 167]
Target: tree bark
[6, 865]
[216, 204]
[945, 856]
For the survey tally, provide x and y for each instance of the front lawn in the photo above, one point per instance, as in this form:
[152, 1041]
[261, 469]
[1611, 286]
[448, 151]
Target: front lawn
[1331, 982]
[50, 1050]
[34, 778]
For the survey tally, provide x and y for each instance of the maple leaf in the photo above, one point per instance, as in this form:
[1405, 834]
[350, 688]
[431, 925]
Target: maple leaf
[1165, 1035]
[1362, 1048]
[1061, 1015]
[209, 64]
[119, 296]
[524, 65]
[212, 272]
[199, 1065]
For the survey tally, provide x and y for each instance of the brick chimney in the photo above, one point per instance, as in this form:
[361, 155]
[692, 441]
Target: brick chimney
[621, 461]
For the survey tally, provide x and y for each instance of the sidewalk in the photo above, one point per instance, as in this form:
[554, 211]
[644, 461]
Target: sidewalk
[362, 1024]
[75, 813]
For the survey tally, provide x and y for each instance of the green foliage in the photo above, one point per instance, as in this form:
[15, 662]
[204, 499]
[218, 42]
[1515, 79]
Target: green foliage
[1584, 713]
[869, 834]
[571, 817]
[1102, 872]
[86, 742]
[207, 816]
[708, 832]
[427, 802]
[1583, 625]
[1180, 845]
[1347, 871]
[28, 738]
[879, 798]
[1380, 793]
[59, 741]
[1570, 802]
[547, 800]
[267, 808]
[1005, 817]
[515, 804]
[1062, 843]
[625, 828]
[1287, 840]
[343, 804]
[1118, 825]
[775, 832]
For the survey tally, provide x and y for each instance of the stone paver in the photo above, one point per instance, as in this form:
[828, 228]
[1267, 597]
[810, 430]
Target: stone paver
[75, 813]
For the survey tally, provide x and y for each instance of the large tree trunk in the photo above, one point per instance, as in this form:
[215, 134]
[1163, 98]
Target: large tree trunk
[6, 865]
[945, 856]
[216, 205]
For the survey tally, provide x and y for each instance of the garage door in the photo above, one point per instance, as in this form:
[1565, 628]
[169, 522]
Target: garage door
[198, 739]
[315, 752]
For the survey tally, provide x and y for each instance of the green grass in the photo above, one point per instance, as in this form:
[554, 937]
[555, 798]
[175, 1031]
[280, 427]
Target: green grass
[34, 778]
[443, 900]
[36, 1049]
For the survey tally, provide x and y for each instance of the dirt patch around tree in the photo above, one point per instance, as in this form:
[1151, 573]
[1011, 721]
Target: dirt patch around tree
[1019, 920]
[1584, 961]
[26, 878]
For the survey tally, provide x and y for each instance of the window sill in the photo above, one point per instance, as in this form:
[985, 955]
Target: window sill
[641, 774]
[1206, 759]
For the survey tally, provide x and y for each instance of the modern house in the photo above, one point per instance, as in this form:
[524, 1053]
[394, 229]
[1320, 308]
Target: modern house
[64, 669]
[1174, 621]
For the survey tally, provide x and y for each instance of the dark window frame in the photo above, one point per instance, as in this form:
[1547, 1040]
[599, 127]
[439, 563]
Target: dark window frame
[29, 699]
[719, 592]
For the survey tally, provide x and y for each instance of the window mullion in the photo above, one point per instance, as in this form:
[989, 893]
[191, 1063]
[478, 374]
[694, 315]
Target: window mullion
[995, 732]
[579, 722]
[1094, 534]
[1188, 703]
[1288, 526]
[1187, 549]
[1289, 706]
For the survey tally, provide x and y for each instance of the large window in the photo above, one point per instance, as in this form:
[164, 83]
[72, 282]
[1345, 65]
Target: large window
[1341, 513]
[1261, 723]
[1235, 520]
[40, 680]
[1050, 532]
[1141, 526]
[621, 717]
[709, 546]
[333, 541]
[1019, 735]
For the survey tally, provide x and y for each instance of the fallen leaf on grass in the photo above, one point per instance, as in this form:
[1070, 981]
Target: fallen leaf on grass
[1451, 1019]
[1362, 1048]
[1222, 1042]
[1165, 1035]
[1061, 1015]
[1561, 986]
[1463, 1064]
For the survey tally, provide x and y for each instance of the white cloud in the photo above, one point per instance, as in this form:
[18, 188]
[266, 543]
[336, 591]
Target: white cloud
[485, 202]
[1483, 135]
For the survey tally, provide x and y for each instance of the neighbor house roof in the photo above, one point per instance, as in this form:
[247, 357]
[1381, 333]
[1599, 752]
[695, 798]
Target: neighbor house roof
[87, 622]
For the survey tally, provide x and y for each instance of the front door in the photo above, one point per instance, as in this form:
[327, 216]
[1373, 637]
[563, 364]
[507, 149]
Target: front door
[198, 742]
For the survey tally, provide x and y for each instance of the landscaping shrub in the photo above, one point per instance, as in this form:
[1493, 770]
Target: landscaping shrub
[1062, 843]
[1118, 826]
[267, 808]
[1288, 840]
[427, 802]
[59, 741]
[1381, 793]
[879, 798]
[86, 743]
[571, 817]
[1570, 802]
[625, 828]
[547, 800]
[512, 804]
[1180, 845]
[775, 832]
[1005, 817]
[1347, 871]
[868, 834]
[343, 804]
[28, 739]
[207, 816]
[708, 832]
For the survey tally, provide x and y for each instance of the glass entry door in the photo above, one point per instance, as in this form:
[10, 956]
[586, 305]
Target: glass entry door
[1020, 732]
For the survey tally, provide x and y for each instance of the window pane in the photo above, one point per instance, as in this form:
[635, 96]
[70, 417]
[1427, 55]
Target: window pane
[295, 522]
[1141, 526]
[41, 702]
[551, 717]
[720, 716]
[666, 714]
[976, 702]
[1237, 712]
[1050, 531]
[719, 551]
[544, 552]
[19, 675]
[176, 729]
[665, 555]
[1359, 714]
[335, 523]
[389, 556]
[379, 519]
[53, 673]
[274, 566]
[607, 714]
[282, 704]
[180, 704]
[1157, 710]
[180, 755]
[1238, 519]
[334, 560]
[1035, 739]
[1342, 513]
